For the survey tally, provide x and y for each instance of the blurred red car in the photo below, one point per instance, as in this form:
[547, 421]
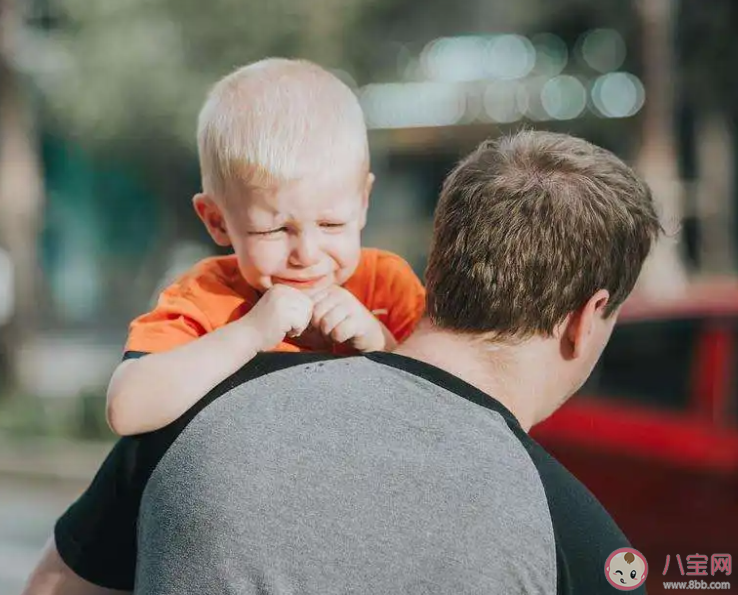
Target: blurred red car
[654, 433]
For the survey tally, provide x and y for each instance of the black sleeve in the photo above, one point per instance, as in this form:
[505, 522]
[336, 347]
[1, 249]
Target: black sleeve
[585, 533]
[96, 536]
[134, 354]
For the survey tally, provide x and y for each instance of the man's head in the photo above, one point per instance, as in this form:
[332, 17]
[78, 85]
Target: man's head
[539, 235]
[285, 173]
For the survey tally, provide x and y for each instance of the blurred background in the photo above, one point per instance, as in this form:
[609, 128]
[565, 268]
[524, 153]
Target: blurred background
[98, 102]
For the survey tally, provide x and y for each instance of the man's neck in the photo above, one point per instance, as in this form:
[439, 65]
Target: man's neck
[514, 375]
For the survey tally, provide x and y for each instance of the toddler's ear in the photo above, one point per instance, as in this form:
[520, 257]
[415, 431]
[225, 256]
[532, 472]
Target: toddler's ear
[212, 217]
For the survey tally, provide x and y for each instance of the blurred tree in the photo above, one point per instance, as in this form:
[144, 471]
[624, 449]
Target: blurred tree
[125, 75]
[125, 80]
[665, 271]
[685, 52]
[129, 77]
[648, 29]
[21, 195]
[707, 51]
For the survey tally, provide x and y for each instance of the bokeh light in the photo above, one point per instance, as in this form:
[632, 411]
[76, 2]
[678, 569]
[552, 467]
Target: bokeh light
[618, 95]
[564, 97]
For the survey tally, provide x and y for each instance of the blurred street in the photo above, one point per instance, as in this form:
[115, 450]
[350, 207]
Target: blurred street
[28, 509]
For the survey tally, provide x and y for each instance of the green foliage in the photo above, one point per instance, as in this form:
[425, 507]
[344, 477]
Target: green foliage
[83, 417]
[136, 70]
[133, 74]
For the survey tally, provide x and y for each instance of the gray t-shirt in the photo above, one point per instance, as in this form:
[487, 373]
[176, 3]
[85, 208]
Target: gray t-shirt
[311, 474]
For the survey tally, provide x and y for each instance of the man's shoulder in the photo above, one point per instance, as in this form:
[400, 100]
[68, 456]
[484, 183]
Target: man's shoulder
[565, 489]
[156, 444]
[364, 442]
[272, 361]
[585, 532]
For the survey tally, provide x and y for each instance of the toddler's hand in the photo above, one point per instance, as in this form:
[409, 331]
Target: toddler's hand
[281, 311]
[343, 318]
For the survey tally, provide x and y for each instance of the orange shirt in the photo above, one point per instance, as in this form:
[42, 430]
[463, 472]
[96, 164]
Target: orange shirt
[213, 293]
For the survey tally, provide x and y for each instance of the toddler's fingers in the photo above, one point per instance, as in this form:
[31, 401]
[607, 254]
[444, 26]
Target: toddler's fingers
[331, 319]
[320, 296]
[322, 307]
[344, 330]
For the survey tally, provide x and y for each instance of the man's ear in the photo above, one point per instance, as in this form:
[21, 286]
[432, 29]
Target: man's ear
[580, 325]
[368, 185]
[212, 217]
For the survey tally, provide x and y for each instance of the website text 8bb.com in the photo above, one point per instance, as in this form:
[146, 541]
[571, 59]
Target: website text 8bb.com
[696, 585]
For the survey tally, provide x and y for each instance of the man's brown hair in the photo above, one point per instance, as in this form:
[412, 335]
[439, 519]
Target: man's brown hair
[528, 228]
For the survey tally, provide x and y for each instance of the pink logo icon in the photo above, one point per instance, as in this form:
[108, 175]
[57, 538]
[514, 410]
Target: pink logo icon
[626, 569]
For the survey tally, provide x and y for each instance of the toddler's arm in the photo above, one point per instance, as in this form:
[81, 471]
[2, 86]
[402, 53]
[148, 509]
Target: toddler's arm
[150, 392]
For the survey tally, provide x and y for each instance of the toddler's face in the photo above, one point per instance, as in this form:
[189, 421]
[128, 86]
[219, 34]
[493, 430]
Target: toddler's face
[305, 233]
